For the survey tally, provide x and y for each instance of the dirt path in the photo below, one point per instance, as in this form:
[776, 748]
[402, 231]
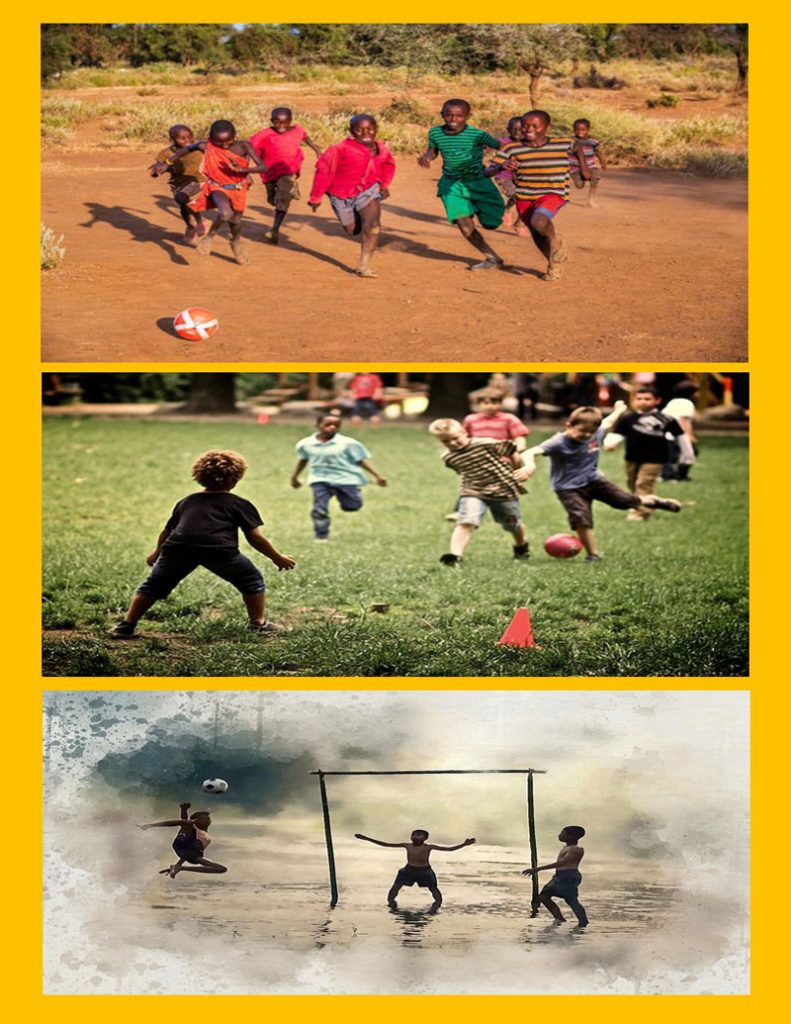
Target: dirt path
[659, 272]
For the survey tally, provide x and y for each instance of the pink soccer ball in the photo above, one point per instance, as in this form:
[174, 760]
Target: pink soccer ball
[562, 545]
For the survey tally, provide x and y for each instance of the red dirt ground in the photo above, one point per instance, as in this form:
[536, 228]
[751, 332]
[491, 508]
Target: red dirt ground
[659, 272]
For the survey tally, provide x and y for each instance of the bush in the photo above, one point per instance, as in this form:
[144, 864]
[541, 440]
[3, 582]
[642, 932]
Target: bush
[52, 252]
[665, 100]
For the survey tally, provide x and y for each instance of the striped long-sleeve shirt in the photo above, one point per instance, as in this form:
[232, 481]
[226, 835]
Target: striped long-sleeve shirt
[542, 171]
[483, 472]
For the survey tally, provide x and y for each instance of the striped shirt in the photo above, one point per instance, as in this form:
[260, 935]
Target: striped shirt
[462, 154]
[589, 147]
[483, 473]
[542, 171]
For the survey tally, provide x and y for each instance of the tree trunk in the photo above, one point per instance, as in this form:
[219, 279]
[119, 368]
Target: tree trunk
[741, 67]
[535, 88]
[448, 394]
[211, 393]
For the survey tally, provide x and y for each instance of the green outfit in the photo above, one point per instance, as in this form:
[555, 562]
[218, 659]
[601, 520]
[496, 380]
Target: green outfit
[463, 188]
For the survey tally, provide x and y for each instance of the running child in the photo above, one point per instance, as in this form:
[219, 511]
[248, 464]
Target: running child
[681, 407]
[356, 175]
[367, 390]
[279, 146]
[504, 180]
[417, 870]
[185, 178]
[227, 165]
[587, 150]
[464, 190]
[540, 164]
[566, 881]
[203, 529]
[336, 471]
[574, 473]
[646, 431]
[190, 843]
[488, 481]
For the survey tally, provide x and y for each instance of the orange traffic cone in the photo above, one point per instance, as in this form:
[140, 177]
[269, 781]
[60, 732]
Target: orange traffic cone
[520, 631]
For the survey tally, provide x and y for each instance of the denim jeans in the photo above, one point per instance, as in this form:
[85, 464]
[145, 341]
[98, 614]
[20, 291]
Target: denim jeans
[349, 498]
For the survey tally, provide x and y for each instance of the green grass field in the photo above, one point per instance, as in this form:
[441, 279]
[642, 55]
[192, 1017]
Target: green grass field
[670, 597]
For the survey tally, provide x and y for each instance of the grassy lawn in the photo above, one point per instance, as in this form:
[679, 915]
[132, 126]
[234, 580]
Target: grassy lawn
[669, 598]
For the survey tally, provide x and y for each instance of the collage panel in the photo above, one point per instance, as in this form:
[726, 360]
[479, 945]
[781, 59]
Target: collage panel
[401, 843]
[363, 523]
[445, 192]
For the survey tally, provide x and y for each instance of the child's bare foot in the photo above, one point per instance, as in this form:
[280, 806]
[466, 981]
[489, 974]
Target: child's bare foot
[202, 228]
[272, 237]
[392, 904]
[203, 247]
[239, 252]
[521, 229]
[189, 235]
[365, 272]
[434, 907]
[552, 274]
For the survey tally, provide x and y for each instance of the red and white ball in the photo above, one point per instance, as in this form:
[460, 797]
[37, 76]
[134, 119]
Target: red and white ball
[196, 324]
[562, 545]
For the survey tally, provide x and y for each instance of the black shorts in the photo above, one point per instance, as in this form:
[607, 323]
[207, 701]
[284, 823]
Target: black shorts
[177, 561]
[424, 877]
[577, 501]
[188, 848]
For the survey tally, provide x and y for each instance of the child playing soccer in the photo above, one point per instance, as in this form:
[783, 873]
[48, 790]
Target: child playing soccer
[587, 150]
[646, 431]
[566, 881]
[464, 190]
[185, 178]
[203, 530]
[279, 148]
[226, 165]
[417, 870]
[504, 180]
[336, 463]
[490, 421]
[190, 843]
[574, 473]
[488, 481]
[356, 175]
[540, 164]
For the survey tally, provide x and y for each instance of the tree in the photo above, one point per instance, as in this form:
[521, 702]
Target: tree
[212, 393]
[742, 33]
[448, 394]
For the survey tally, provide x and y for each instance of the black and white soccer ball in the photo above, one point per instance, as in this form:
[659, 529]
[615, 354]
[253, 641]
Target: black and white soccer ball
[215, 786]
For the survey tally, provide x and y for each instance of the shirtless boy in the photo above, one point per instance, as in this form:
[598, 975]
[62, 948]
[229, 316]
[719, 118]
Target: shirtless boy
[566, 881]
[417, 870]
[190, 843]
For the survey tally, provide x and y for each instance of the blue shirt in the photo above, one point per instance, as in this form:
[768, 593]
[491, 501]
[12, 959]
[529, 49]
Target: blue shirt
[573, 463]
[336, 461]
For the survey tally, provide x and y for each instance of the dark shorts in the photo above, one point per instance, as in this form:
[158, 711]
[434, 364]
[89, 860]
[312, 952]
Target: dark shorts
[183, 193]
[563, 885]
[188, 848]
[578, 501]
[282, 191]
[424, 877]
[365, 408]
[176, 562]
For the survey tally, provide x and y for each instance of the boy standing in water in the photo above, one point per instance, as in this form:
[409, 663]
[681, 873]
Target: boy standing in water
[566, 881]
[190, 843]
[464, 190]
[185, 178]
[417, 870]
[279, 148]
[356, 175]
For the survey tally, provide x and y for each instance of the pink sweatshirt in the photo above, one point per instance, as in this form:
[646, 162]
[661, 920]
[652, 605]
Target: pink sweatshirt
[349, 167]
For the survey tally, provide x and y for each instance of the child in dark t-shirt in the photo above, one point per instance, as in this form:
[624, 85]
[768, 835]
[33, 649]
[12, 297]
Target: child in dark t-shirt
[645, 430]
[203, 529]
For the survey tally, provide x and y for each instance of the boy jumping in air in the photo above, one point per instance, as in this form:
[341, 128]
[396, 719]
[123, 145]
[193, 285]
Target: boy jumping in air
[279, 146]
[203, 529]
[417, 870]
[185, 178]
[190, 843]
[566, 881]
[464, 190]
[574, 473]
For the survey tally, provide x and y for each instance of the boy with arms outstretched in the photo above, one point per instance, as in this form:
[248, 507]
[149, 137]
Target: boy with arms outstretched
[185, 177]
[574, 473]
[566, 881]
[190, 843]
[203, 530]
[417, 870]
[464, 190]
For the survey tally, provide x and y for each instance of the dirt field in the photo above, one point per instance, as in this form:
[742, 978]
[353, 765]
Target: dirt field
[658, 272]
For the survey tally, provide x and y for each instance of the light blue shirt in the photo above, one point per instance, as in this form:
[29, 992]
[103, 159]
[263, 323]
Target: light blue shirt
[334, 462]
[572, 463]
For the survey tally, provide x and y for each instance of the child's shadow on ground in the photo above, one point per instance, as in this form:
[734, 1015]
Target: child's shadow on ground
[139, 227]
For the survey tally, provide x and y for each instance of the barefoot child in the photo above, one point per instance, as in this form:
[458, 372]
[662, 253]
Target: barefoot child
[336, 463]
[488, 481]
[226, 165]
[566, 881]
[185, 178]
[587, 151]
[356, 175]
[279, 148]
[574, 473]
[190, 843]
[504, 180]
[464, 190]
[540, 164]
[417, 870]
[203, 530]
